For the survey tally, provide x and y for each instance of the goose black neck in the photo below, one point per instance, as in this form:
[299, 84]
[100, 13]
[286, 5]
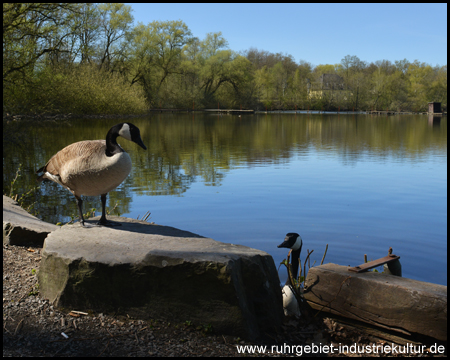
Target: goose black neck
[112, 147]
[294, 264]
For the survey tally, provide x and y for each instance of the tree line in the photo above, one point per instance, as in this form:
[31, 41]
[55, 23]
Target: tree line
[90, 59]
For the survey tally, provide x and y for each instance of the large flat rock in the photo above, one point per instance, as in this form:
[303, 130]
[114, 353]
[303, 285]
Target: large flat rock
[20, 227]
[389, 302]
[153, 271]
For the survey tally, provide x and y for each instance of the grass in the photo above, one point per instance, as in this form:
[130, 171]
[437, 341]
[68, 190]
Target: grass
[21, 198]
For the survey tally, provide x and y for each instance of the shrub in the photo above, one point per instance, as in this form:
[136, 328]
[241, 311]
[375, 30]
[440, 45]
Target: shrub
[83, 90]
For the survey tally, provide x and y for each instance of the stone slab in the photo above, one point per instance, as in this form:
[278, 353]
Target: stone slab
[154, 271]
[20, 227]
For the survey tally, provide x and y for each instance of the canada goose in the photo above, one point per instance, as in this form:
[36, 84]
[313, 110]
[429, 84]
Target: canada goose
[294, 242]
[93, 167]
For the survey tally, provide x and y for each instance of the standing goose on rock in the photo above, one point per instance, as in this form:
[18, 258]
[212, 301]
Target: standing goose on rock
[294, 242]
[93, 167]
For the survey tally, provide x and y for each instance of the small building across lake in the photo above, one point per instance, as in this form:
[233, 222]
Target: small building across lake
[434, 107]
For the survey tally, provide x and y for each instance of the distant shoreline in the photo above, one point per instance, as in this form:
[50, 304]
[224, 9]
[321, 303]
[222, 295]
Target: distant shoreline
[9, 117]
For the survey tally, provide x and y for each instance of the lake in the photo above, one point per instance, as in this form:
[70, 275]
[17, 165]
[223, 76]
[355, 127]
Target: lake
[359, 183]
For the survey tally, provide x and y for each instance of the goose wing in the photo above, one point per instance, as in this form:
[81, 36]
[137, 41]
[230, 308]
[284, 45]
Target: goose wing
[81, 154]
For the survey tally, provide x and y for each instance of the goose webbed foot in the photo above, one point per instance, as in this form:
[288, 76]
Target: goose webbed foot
[108, 223]
[103, 221]
[85, 225]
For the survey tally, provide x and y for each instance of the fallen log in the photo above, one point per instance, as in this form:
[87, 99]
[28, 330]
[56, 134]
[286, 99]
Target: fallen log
[397, 304]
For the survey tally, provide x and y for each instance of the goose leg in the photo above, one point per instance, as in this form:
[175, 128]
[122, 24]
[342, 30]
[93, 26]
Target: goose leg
[103, 220]
[80, 209]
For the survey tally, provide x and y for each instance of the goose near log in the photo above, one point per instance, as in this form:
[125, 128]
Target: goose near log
[294, 242]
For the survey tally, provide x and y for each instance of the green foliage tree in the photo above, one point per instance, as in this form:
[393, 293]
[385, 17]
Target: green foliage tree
[32, 30]
[47, 50]
[223, 68]
[438, 87]
[420, 77]
[87, 34]
[156, 55]
[264, 85]
[115, 23]
[48, 46]
[213, 43]
[30, 33]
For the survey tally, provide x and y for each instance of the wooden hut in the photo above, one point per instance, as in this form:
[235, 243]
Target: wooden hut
[434, 108]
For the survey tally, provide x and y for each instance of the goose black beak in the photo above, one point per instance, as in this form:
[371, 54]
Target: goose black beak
[141, 144]
[284, 244]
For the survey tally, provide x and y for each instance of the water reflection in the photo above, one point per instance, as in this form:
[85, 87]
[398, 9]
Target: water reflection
[185, 148]
[434, 120]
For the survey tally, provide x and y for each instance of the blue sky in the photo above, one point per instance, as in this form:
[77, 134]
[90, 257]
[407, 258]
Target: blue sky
[318, 33]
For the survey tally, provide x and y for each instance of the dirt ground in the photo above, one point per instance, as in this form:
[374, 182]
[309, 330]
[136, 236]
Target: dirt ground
[33, 327]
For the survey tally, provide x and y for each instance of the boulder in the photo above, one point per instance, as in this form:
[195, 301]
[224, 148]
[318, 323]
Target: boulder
[390, 302]
[151, 271]
[20, 228]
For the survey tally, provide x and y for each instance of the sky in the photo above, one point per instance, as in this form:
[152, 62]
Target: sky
[317, 33]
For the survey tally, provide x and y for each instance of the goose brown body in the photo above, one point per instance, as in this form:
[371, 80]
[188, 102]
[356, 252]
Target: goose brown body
[84, 169]
[93, 167]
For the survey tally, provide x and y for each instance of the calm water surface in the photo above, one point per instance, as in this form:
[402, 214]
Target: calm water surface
[359, 183]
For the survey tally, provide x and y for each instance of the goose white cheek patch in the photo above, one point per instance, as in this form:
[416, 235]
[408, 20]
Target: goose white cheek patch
[297, 244]
[125, 132]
